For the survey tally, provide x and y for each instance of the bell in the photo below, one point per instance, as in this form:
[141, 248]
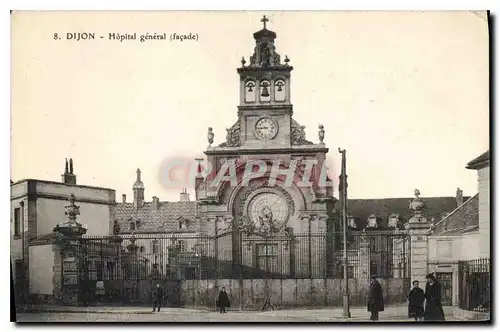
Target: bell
[279, 88]
[250, 88]
[265, 92]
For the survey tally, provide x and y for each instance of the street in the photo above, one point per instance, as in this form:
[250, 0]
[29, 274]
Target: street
[191, 315]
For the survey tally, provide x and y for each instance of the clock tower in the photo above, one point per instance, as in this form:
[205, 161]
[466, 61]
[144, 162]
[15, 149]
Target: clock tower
[266, 174]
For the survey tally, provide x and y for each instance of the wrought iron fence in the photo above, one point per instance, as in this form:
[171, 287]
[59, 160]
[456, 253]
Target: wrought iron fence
[236, 255]
[474, 289]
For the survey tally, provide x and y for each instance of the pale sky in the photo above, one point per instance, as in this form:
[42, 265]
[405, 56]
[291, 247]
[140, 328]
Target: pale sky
[405, 93]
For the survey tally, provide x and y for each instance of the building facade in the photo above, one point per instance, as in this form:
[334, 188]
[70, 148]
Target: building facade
[459, 244]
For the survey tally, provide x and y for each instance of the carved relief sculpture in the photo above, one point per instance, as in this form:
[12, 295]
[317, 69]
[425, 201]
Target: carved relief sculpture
[298, 134]
[232, 136]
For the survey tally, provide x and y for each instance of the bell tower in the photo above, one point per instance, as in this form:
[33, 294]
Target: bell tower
[265, 81]
[265, 107]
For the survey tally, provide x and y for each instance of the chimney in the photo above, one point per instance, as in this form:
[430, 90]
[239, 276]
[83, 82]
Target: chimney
[184, 195]
[124, 198]
[156, 203]
[460, 197]
[68, 177]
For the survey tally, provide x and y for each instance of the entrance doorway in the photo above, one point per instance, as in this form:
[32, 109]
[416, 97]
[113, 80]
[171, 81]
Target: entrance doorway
[445, 280]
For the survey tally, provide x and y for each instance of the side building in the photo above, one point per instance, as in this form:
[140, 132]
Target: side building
[37, 206]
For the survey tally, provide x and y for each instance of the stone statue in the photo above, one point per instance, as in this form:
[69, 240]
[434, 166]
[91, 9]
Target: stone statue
[72, 210]
[321, 133]
[417, 205]
[210, 136]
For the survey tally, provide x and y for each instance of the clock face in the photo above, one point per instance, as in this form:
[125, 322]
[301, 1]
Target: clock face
[266, 128]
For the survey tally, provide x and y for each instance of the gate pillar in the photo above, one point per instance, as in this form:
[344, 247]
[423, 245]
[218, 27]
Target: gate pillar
[417, 226]
[69, 243]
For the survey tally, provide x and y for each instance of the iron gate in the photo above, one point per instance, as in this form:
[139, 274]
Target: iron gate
[111, 273]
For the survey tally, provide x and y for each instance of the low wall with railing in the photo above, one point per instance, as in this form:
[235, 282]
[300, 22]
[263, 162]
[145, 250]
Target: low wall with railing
[250, 294]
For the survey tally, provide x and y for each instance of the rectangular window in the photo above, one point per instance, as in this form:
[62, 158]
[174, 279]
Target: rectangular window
[155, 247]
[17, 222]
[267, 257]
[182, 245]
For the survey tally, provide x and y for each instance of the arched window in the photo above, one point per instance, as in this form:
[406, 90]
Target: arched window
[265, 93]
[279, 90]
[250, 92]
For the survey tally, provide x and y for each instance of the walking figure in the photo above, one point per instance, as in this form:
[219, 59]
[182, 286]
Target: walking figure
[433, 308]
[375, 299]
[416, 299]
[223, 301]
[157, 297]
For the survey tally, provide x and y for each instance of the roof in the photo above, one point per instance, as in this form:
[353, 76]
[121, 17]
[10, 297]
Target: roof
[264, 33]
[59, 183]
[164, 218]
[361, 209]
[463, 219]
[479, 162]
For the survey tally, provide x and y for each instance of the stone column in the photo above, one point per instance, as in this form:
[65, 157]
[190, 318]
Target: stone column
[417, 226]
[303, 249]
[364, 259]
[69, 243]
[318, 245]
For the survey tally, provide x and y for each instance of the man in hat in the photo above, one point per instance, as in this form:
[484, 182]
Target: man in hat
[157, 297]
[375, 298]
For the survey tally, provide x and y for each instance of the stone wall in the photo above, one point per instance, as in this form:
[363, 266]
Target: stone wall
[41, 269]
[484, 210]
[249, 294]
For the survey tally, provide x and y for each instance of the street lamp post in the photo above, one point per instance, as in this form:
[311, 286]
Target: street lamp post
[343, 200]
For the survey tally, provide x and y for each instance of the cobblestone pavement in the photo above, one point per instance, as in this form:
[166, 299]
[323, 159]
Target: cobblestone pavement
[190, 315]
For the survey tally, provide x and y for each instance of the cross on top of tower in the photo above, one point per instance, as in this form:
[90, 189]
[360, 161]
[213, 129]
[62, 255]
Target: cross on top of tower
[264, 20]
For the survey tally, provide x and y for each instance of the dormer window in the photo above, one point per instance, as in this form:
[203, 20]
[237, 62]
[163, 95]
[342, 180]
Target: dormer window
[132, 226]
[137, 223]
[372, 221]
[351, 222]
[393, 220]
[182, 223]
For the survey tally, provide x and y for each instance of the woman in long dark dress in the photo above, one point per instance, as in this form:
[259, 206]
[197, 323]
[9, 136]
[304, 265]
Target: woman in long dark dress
[433, 308]
[416, 300]
[223, 301]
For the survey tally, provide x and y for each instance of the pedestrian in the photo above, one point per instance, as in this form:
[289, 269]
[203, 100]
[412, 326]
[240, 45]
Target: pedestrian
[433, 309]
[416, 299]
[157, 297]
[223, 301]
[375, 298]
